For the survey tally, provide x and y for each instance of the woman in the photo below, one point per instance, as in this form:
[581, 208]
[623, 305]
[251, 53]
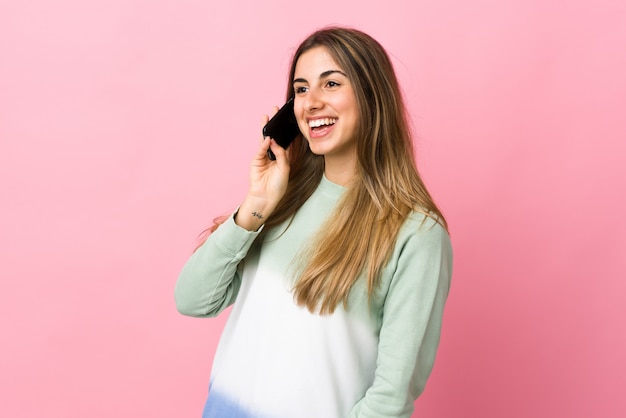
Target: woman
[337, 262]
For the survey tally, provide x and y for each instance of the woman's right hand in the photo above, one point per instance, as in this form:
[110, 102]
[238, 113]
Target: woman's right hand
[268, 183]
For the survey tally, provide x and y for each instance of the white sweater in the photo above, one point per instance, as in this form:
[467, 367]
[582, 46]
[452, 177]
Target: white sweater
[275, 359]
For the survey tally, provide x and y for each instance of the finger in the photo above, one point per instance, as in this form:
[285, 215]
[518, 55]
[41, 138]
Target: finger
[267, 118]
[264, 120]
[265, 145]
[262, 149]
[281, 154]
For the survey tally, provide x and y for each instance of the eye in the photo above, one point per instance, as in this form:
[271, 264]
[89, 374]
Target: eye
[300, 89]
[332, 84]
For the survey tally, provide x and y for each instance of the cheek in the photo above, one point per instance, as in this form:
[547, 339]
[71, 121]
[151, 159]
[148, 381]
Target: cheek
[298, 109]
[300, 120]
[347, 105]
[350, 111]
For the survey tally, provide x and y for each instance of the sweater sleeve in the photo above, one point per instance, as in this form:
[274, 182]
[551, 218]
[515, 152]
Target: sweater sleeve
[210, 280]
[411, 325]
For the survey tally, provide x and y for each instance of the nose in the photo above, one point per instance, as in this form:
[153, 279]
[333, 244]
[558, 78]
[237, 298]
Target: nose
[313, 100]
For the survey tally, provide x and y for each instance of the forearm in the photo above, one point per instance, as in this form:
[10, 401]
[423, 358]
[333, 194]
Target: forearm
[209, 281]
[410, 331]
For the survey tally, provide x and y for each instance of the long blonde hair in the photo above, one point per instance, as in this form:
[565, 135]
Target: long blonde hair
[367, 220]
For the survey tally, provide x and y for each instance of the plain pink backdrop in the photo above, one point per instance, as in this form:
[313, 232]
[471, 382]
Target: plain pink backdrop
[127, 125]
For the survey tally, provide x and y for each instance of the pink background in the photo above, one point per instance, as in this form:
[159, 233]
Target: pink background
[127, 125]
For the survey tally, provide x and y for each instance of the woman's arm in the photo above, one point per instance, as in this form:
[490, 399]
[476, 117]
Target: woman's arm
[411, 325]
[209, 281]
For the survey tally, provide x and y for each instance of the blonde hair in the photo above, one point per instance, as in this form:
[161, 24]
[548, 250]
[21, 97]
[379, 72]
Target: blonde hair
[387, 188]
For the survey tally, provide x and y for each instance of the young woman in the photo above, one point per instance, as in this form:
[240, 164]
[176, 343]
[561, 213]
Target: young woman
[337, 262]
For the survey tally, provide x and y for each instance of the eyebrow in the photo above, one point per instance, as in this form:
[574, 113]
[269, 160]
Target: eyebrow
[323, 75]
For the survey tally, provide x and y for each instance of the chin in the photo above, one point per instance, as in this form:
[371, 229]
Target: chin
[318, 150]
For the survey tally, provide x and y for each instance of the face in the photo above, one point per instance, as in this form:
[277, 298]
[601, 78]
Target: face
[325, 106]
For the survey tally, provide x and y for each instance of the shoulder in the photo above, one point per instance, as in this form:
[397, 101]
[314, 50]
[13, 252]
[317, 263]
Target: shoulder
[421, 243]
[422, 230]
[422, 255]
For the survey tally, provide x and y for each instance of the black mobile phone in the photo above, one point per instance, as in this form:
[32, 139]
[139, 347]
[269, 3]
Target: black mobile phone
[283, 127]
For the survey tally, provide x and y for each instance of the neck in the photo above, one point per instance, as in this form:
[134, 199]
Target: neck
[339, 171]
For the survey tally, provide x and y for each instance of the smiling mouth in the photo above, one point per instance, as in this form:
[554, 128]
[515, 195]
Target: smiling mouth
[319, 124]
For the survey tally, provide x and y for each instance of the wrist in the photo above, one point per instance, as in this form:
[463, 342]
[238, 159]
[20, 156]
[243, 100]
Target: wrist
[253, 213]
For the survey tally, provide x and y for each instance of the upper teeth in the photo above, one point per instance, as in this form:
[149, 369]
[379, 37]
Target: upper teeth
[319, 122]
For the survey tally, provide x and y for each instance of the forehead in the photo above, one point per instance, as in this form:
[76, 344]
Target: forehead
[314, 62]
